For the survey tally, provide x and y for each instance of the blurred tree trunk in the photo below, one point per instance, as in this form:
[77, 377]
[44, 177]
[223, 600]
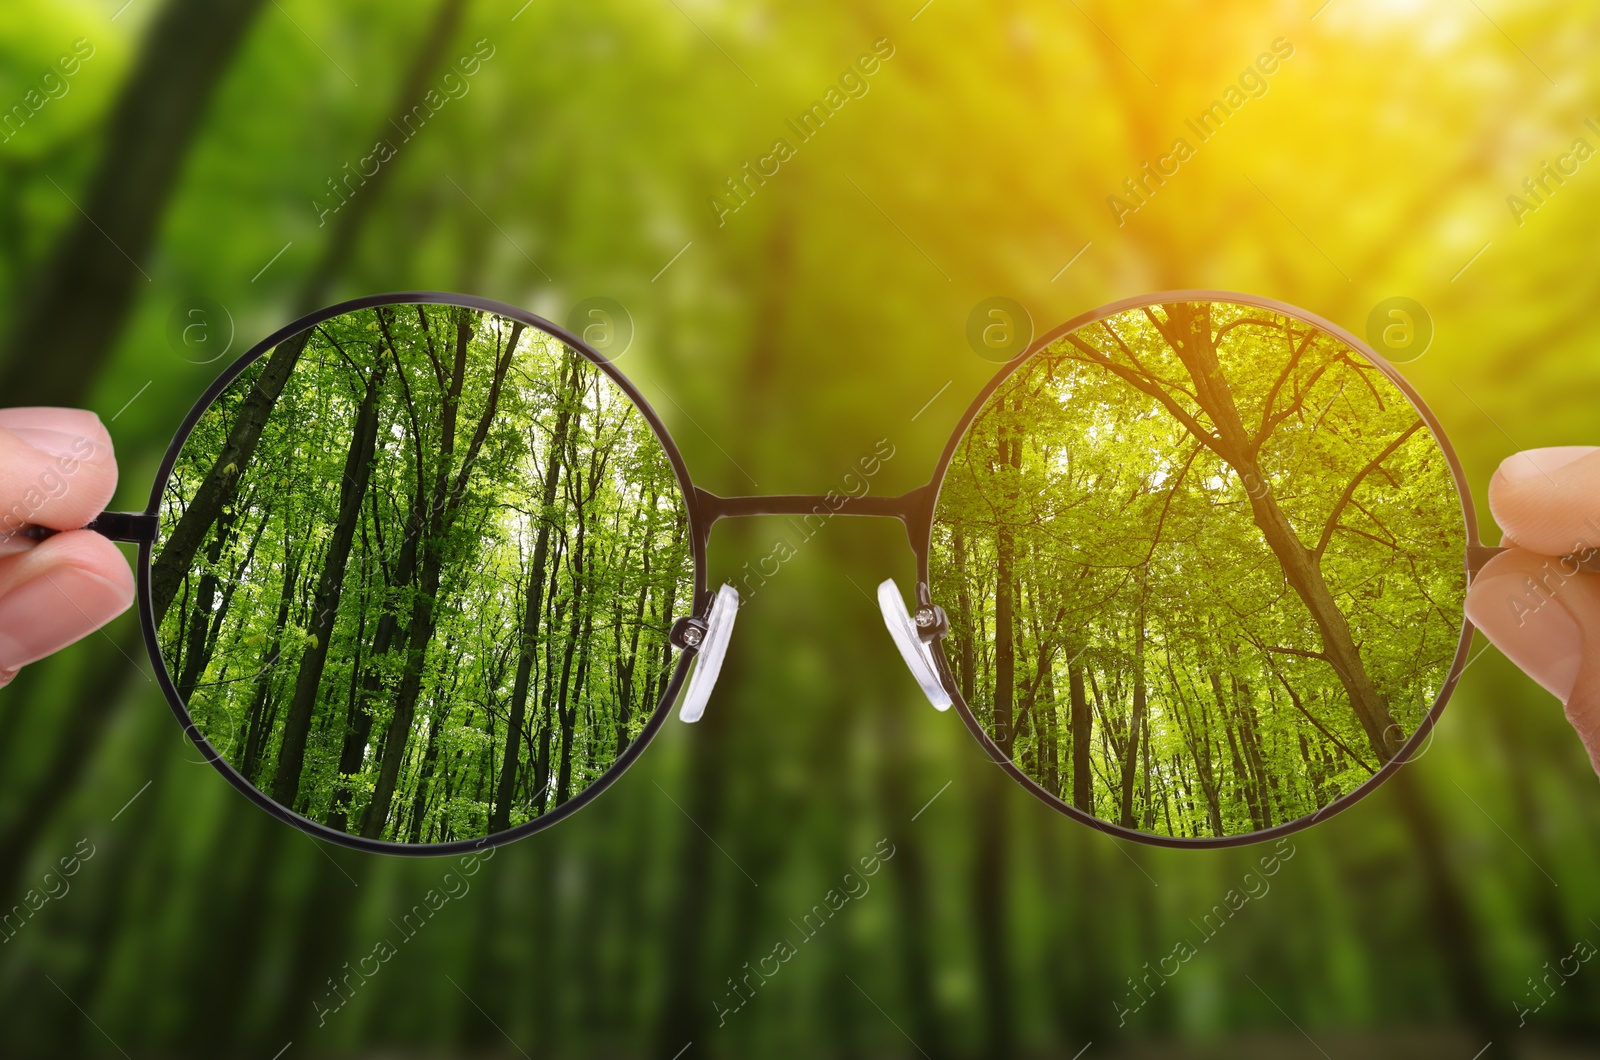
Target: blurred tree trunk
[351, 218]
[76, 308]
[990, 872]
[1454, 933]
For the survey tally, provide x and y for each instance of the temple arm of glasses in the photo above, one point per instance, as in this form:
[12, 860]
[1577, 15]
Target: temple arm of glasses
[136, 528]
[1587, 561]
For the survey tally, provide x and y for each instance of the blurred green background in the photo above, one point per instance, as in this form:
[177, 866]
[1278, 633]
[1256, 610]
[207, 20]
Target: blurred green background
[189, 157]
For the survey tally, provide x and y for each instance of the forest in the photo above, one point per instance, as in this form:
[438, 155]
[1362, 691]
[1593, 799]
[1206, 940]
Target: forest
[777, 349]
[416, 572]
[1206, 564]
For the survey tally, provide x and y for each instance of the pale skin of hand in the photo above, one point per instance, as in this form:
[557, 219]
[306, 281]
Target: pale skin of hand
[1533, 606]
[58, 469]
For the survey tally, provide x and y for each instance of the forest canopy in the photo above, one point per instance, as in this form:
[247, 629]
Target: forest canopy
[417, 570]
[1204, 565]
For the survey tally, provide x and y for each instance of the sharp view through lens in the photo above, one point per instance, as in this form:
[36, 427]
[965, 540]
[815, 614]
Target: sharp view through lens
[1204, 566]
[416, 572]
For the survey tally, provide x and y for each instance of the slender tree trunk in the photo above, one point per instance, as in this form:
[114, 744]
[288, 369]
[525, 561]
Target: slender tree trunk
[444, 503]
[1188, 330]
[221, 484]
[964, 611]
[319, 631]
[528, 636]
[1130, 760]
[195, 656]
[258, 731]
[1081, 722]
[1004, 608]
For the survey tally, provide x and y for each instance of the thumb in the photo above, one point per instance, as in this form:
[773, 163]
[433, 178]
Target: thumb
[1548, 500]
[1545, 617]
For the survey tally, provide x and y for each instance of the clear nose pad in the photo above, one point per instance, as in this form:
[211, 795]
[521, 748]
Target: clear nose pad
[909, 637]
[712, 642]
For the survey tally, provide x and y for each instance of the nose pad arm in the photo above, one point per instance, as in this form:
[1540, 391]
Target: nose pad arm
[913, 637]
[710, 636]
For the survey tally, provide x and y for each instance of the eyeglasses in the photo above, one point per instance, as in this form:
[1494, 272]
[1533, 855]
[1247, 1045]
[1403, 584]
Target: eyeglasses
[422, 573]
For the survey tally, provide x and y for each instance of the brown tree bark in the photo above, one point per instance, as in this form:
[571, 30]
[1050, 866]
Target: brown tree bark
[1082, 722]
[83, 292]
[330, 585]
[528, 634]
[220, 487]
[1130, 760]
[444, 503]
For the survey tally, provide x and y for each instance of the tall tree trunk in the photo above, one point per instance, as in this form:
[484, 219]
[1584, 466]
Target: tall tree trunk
[964, 633]
[1082, 721]
[1130, 760]
[81, 297]
[257, 731]
[221, 484]
[528, 634]
[443, 506]
[195, 656]
[1188, 331]
[565, 715]
[1049, 725]
[1008, 460]
[319, 631]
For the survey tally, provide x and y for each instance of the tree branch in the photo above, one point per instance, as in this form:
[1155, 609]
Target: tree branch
[1350, 490]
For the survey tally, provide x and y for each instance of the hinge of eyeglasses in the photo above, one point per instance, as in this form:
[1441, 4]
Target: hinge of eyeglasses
[134, 528]
[688, 632]
[931, 621]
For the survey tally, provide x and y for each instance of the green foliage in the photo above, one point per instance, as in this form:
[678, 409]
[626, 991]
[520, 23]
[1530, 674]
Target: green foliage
[616, 570]
[1147, 600]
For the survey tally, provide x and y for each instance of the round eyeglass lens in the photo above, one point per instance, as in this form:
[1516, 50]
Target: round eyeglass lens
[415, 573]
[1204, 565]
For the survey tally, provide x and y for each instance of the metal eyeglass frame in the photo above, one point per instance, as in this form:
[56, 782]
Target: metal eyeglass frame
[710, 622]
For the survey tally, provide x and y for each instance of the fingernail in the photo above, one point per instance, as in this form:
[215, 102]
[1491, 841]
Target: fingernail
[1540, 463]
[56, 443]
[42, 616]
[1528, 623]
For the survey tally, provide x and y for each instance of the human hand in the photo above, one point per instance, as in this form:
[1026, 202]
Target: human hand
[58, 470]
[1533, 605]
